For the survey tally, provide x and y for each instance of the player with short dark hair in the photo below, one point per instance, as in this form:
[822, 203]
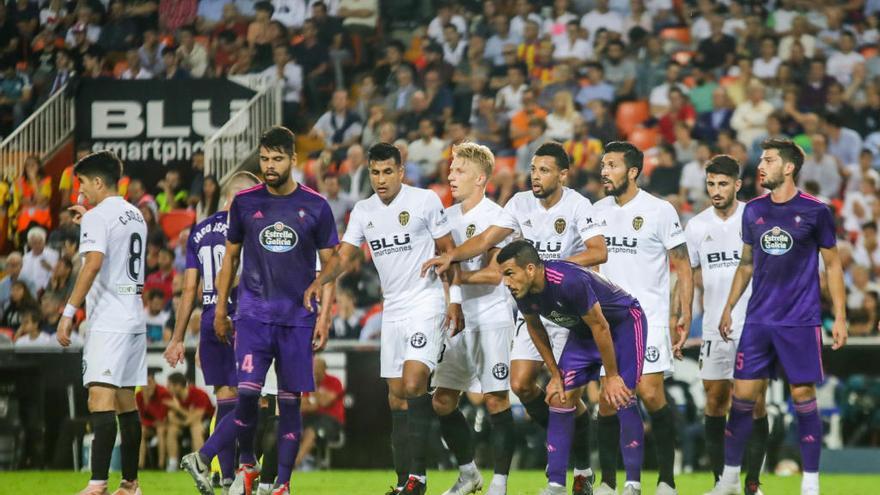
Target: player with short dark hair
[280, 225]
[606, 330]
[112, 241]
[205, 250]
[783, 232]
[403, 227]
[714, 247]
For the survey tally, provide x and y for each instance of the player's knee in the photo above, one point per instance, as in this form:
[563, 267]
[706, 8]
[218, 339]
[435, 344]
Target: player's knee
[496, 402]
[524, 387]
[414, 388]
[653, 397]
[716, 405]
[444, 402]
[396, 403]
[803, 393]
[760, 408]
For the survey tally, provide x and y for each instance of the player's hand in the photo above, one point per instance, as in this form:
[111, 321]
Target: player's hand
[222, 327]
[554, 388]
[174, 353]
[321, 333]
[839, 332]
[681, 331]
[78, 212]
[615, 391]
[454, 321]
[440, 264]
[725, 324]
[62, 334]
[312, 293]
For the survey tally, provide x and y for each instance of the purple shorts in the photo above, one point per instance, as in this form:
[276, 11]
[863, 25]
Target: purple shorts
[217, 359]
[762, 349]
[258, 343]
[581, 362]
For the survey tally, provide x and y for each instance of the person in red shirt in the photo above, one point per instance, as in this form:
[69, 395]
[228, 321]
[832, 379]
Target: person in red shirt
[188, 408]
[151, 405]
[323, 411]
[163, 278]
[680, 110]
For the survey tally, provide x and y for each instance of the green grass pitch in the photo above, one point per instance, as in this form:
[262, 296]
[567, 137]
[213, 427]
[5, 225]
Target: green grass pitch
[376, 483]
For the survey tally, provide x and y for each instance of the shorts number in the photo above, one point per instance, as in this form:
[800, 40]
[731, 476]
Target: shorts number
[247, 364]
[135, 256]
[740, 359]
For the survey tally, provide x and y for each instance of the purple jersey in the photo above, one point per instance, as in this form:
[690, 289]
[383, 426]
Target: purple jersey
[785, 239]
[204, 252]
[281, 236]
[570, 291]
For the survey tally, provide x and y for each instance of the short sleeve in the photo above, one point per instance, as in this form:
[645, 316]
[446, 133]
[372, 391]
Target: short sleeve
[670, 231]
[692, 237]
[528, 305]
[235, 230]
[825, 231]
[579, 292]
[745, 231]
[506, 218]
[589, 221]
[325, 231]
[93, 233]
[354, 232]
[192, 254]
[435, 216]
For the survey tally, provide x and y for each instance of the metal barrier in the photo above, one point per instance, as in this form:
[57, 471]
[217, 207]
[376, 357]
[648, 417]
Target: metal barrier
[228, 148]
[40, 134]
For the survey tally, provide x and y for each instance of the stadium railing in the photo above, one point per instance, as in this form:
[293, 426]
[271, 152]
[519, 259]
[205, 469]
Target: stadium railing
[40, 134]
[231, 146]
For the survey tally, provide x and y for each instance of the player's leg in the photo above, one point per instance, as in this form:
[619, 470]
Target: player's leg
[146, 435]
[658, 357]
[161, 444]
[267, 433]
[226, 398]
[172, 441]
[525, 365]
[102, 409]
[502, 439]
[307, 444]
[560, 435]
[391, 354]
[197, 433]
[492, 368]
[757, 446]
[715, 417]
[129, 422]
[218, 367]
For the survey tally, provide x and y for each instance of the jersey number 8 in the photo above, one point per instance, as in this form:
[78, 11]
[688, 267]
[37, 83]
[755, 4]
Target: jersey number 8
[135, 256]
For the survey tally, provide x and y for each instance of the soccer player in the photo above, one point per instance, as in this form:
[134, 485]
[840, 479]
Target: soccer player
[783, 232]
[562, 225]
[606, 328]
[643, 234]
[478, 359]
[113, 243]
[205, 249]
[280, 226]
[403, 226]
[715, 245]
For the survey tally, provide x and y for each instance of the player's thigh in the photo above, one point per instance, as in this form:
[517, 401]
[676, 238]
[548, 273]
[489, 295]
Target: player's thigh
[717, 359]
[455, 366]
[116, 359]
[253, 352]
[579, 363]
[293, 358]
[445, 400]
[749, 389]
[756, 354]
[651, 390]
[629, 337]
[492, 356]
[217, 359]
[799, 350]
[424, 339]
[102, 397]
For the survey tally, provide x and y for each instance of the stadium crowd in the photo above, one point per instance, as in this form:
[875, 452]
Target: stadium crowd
[682, 80]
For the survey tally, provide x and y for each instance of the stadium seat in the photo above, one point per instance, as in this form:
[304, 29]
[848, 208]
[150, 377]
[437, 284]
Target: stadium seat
[679, 34]
[683, 57]
[119, 68]
[727, 80]
[869, 51]
[631, 114]
[505, 163]
[644, 138]
[174, 222]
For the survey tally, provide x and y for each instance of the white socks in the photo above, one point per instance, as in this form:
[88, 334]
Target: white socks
[583, 472]
[730, 476]
[499, 480]
[810, 483]
[469, 469]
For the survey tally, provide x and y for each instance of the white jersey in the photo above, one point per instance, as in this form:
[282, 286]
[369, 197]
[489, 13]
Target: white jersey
[715, 245]
[482, 304]
[401, 238]
[557, 232]
[116, 228]
[638, 235]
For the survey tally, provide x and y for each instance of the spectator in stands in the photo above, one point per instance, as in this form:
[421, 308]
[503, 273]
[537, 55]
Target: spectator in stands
[189, 408]
[209, 199]
[340, 203]
[53, 14]
[536, 135]
[562, 121]
[718, 50]
[51, 305]
[408, 121]
[680, 111]
[427, 152]
[153, 411]
[597, 89]
[602, 17]
[12, 272]
[356, 183]
[118, 33]
[855, 173]
[488, 125]
[813, 93]
[501, 38]
[822, 168]
[359, 16]
[39, 260]
[137, 194]
[799, 34]
[859, 205]
[346, 321]
[15, 94]
[666, 176]
[570, 47]
[291, 13]
[172, 71]
[659, 96]
[29, 333]
[323, 411]
[868, 117]
[749, 120]
[843, 143]
[162, 278]
[519, 122]
[509, 98]
[767, 64]
[438, 95]
[842, 62]
[192, 55]
[61, 283]
[135, 71]
[327, 23]
[64, 70]
[620, 70]
[398, 100]
[20, 300]
[157, 315]
[290, 74]
[601, 121]
[173, 194]
[866, 251]
[692, 185]
[150, 52]
[313, 55]
[339, 127]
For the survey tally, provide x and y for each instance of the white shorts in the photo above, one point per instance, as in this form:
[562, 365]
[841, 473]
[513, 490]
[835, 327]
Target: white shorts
[658, 352]
[717, 358]
[476, 360]
[411, 339]
[118, 359]
[523, 347]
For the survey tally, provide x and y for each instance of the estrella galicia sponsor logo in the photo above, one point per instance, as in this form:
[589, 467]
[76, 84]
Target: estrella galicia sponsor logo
[776, 241]
[559, 225]
[500, 371]
[278, 238]
[624, 244]
[563, 320]
[547, 250]
[388, 245]
[418, 340]
[652, 355]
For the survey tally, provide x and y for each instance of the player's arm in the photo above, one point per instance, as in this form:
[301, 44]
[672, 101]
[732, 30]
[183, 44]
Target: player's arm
[328, 295]
[834, 275]
[339, 262]
[538, 334]
[174, 351]
[91, 266]
[613, 387]
[488, 275]
[225, 277]
[741, 280]
[595, 254]
[454, 317]
[684, 290]
[478, 244]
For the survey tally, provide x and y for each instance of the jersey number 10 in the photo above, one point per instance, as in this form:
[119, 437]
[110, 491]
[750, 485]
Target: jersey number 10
[212, 259]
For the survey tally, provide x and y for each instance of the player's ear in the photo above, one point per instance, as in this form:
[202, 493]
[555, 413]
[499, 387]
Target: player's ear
[738, 184]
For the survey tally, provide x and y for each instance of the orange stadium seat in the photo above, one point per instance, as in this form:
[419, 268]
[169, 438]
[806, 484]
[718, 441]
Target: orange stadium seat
[631, 114]
[174, 222]
[644, 138]
[505, 163]
[680, 34]
[869, 51]
[119, 68]
[683, 57]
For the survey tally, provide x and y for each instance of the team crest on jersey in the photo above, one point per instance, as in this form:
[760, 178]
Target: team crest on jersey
[469, 231]
[500, 371]
[776, 241]
[638, 222]
[652, 355]
[559, 225]
[418, 340]
[403, 218]
[278, 238]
